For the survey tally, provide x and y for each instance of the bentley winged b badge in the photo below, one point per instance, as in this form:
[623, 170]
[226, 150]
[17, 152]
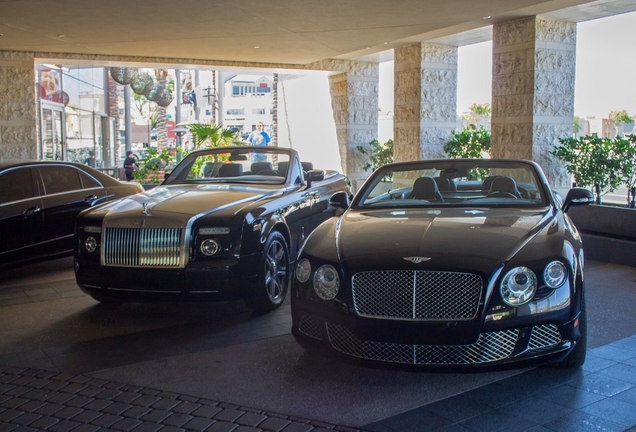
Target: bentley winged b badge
[416, 259]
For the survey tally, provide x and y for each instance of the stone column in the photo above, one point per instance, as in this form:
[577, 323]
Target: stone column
[534, 63]
[18, 131]
[354, 99]
[425, 111]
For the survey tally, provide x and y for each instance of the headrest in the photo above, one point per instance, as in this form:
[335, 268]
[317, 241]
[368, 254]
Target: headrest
[260, 166]
[230, 170]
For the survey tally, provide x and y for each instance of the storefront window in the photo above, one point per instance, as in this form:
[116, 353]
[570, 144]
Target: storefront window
[73, 101]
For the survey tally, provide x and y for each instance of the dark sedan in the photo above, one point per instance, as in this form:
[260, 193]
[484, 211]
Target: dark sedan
[446, 264]
[39, 201]
[226, 224]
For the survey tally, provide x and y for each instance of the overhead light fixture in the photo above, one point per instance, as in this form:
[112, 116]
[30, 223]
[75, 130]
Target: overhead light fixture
[256, 47]
[61, 35]
[486, 17]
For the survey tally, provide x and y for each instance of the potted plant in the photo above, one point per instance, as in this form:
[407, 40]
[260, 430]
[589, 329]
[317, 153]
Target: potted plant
[212, 135]
[471, 142]
[609, 232]
[379, 154]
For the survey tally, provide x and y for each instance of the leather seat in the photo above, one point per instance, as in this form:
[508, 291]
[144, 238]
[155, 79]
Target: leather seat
[425, 188]
[503, 186]
[260, 166]
[231, 170]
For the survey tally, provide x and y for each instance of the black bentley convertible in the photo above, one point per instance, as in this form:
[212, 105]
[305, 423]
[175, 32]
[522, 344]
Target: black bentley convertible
[446, 264]
[226, 224]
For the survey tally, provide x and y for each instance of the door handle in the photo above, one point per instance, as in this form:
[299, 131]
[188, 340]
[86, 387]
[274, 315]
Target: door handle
[31, 211]
[90, 198]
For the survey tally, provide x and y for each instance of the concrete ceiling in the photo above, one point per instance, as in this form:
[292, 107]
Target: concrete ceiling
[277, 32]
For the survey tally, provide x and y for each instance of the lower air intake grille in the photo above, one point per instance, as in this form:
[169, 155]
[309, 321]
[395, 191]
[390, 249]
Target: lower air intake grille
[141, 247]
[544, 336]
[489, 348]
[310, 326]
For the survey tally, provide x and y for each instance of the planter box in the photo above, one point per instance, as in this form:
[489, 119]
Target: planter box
[608, 232]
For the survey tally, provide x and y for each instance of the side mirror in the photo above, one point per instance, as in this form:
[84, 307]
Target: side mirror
[340, 200]
[577, 197]
[314, 175]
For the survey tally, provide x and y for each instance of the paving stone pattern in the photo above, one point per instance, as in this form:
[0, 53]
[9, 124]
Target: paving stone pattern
[34, 400]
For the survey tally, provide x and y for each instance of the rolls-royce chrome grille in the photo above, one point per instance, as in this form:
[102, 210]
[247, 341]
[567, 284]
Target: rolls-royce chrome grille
[490, 347]
[141, 247]
[417, 295]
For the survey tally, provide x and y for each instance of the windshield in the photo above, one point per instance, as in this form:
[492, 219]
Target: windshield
[244, 165]
[465, 182]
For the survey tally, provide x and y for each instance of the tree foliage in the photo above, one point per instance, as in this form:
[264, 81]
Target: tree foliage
[482, 110]
[602, 163]
[211, 135]
[620, 116]
[378, 154]
[469, 143]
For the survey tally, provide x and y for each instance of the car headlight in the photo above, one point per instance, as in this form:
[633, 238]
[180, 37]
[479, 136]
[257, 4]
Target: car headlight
[555, 274]
[209, 247]
[90, 244]
[518, 286]
[303, 270]
[326, 282]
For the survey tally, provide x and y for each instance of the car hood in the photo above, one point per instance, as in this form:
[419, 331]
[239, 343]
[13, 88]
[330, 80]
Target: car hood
[185, 201]
[448, 238]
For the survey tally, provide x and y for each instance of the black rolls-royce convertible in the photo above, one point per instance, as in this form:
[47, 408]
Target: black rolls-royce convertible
[446, 264]
[226, 224]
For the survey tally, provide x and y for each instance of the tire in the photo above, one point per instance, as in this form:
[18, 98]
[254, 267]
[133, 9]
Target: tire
[576, 358]
[274, 275]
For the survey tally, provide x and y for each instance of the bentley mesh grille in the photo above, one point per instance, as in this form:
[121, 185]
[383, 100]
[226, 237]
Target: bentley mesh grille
[544, 336]
[152, 247]
[310, 326]
[490, 347]
[417, 295]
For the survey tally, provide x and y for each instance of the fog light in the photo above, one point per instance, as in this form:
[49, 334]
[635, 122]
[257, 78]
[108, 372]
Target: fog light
[209, 247]
[90, 244]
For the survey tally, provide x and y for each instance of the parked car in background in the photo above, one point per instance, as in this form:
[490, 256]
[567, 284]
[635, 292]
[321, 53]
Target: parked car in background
[226, 224]
[39, 201]
[446, 264]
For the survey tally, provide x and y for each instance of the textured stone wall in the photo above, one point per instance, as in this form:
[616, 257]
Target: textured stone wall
[18, 131]
[425, 100]
[354, 100]
[534, 62]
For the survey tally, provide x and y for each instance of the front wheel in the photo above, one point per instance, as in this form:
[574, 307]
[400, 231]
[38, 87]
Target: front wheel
[273, 275]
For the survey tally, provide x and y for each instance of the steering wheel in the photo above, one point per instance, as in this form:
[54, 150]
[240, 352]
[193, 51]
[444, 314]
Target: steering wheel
[524, 192]
[268, 173]
[501, 194]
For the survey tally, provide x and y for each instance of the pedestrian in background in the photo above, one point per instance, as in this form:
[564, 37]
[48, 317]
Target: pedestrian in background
[259, 137]
[129, 165]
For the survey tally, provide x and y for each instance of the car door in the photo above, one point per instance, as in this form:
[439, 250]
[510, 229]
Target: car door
[21, 217]
[64, 198]
[297, 207]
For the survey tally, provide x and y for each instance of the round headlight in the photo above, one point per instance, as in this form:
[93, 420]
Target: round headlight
[303, 270]
[518, 286]
[555, 274]
[326, 282]
[90, 244]
[209, 247]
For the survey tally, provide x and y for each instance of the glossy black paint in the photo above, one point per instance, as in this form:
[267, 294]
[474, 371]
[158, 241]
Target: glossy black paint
[39, 202]
[252, 207]
[486, 237]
